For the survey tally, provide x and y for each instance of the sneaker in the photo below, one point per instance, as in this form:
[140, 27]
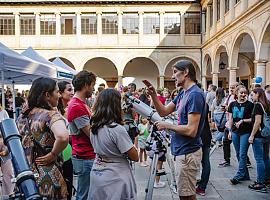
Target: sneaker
[159, 184]
[146, 163]
[259, 187]
[200, 191]
[267, 183]
[234, 181]
[142, 164]
[224, 164]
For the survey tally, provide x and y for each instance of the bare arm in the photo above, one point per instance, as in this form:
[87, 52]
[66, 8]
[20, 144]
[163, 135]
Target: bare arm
[61, 140]
[189, 130]
[256, 126]
[161, 109]
[133, 154]
[87, 130]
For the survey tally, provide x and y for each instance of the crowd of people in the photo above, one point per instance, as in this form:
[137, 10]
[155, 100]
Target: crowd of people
[70, 130]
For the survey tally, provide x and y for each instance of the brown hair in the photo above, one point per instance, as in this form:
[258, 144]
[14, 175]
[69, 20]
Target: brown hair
[262, 99]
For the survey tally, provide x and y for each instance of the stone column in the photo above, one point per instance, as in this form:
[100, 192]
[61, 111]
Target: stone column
[140, 27]
[58, 27]
[99, 26]
[222, 13]
[203, 22]
[232, 75]
[182, 29]
[244, 5]
[78, 25]
[207, 31]
[120, 21]
[261, 69]
[215, 78]
[204, 83]
[161, 81]
[161, 25]
[37, 15]
[17, 28]
[232, 3]
[214, 24]
[120, 81]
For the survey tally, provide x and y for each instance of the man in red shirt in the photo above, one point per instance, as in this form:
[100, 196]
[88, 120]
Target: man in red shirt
[79, 115]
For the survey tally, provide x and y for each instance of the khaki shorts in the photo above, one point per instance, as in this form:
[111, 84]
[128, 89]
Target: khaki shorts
[186, 169]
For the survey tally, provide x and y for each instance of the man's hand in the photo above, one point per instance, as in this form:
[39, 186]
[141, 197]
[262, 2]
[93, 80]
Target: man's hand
[161, 125]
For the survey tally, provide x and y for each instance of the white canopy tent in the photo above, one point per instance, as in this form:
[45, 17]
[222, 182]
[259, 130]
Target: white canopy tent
[62, 72]
[19, 69]
[58, 62]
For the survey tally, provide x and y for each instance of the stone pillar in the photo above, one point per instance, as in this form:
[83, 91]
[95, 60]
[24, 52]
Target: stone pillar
[99, 25]
[58, 27]
[232, 75]
[207, 33]
[261, 70]
[161, 25]
[37, 15]
[232, 3]
[120, 81]
[215, 78]
[120, 30]
[204, 83]
[182, 29]
[17, 28]
[161, 81]
[244, 5]
[214, 24]
[140, 27]
[222, 13]
[78, 25]
[203, 22]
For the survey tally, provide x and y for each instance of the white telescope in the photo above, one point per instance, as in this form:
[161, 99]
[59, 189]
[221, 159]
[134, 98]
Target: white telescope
[145, 110]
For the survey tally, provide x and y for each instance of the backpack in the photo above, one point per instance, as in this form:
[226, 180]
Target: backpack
[265, 132]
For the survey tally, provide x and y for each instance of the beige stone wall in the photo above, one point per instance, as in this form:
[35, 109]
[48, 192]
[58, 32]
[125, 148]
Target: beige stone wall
[249, 23]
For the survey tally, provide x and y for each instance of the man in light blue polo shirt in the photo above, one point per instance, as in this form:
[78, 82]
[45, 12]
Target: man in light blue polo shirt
[186, 142]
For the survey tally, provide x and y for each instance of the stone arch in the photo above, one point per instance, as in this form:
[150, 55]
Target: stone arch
[207, 65]
[65, 60]
[233, 57]
[222, 47]
[264, 42]
[168, 67]
[140, 68]
[104, 68]
[129, 58]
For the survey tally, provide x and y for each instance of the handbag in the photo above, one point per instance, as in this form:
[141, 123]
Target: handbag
[265, 131]
[221, 126]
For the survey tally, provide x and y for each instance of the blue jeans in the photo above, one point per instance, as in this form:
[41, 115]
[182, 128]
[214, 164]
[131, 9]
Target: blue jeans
[241, 144]
[82, 168]
[206, 168]
[261, 153]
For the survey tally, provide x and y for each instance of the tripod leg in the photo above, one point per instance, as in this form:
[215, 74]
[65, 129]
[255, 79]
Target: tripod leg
[213, 149]
[150, 185]
[173, 184]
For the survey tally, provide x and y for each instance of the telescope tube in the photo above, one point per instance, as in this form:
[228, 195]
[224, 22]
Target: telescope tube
[25, 180]
[144, 110]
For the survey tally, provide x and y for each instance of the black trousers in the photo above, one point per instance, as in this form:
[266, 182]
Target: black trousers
[68, 176]
[227, 146]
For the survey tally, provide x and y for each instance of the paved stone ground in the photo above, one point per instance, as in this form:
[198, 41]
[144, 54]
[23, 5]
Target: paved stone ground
[219, 186]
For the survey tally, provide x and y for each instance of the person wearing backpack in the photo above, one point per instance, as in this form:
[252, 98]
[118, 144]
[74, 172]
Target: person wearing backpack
[259, 143]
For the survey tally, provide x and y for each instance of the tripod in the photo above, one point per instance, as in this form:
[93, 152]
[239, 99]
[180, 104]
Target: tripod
[153, 170]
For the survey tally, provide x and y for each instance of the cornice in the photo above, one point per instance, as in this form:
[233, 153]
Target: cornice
[234, 23]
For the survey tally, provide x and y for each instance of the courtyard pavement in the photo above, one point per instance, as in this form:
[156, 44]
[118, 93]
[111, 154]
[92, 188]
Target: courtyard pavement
[219, 186]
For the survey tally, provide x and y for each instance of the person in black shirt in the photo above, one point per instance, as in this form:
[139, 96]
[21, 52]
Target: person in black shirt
[259, 144]
[240, 128]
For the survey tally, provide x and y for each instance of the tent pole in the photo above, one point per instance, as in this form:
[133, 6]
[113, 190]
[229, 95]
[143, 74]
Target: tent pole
[3, 89]
[13, 101]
